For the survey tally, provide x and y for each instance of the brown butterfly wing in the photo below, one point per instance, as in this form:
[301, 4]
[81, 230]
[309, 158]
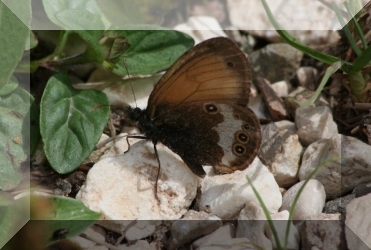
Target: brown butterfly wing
[223, 135]
[214, 70]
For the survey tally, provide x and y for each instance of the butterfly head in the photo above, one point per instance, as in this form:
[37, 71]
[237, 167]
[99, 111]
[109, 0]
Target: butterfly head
[140, 118]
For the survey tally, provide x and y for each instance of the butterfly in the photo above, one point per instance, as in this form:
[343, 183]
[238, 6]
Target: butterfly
[198, 109]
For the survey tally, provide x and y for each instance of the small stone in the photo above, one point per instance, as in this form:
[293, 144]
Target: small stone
[82, 242]
[139, 245]
[282, 88]
[322, 231]
[362, 189]
[358, 221]
[94, 156]
[192, 226]
[257, 105]
[221, 235]
[209, 25]
[338, 205]
[96, 232]
[341, 175]
[251, 225]
[234, 244]
[285, 124]
[274, 103]
[280, 152]
[63, 187]
[306, 77]
[225, 195]
[275, 62]
[314, 124]
[311, 201]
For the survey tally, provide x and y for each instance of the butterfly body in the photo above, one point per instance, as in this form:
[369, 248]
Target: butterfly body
[198, 109]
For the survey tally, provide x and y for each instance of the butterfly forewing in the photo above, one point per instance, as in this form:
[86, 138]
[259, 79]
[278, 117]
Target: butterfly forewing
[215, 70]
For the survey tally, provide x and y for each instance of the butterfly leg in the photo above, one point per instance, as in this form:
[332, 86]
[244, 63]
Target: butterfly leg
[158, 171]
[133, 136]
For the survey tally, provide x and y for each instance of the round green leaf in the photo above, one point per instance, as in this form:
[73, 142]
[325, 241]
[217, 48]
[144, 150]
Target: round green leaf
[69, 124]
[77, 19]
[14, 136]
[53, 7]
[9, 87]
[151, 51]
[13, 36]
[32, 41]
[70, 215]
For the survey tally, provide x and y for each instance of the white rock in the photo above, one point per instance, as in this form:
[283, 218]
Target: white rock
[285, 124]
[94, 156]
[358, 221]
[282, 88]
[97, 247]
[257, 105]
[82, 242]
[201, 28]
[221, 235]
[139, 245]
[251, 225]
[314, 124]
[315, 28]
[280, 222]
[226, 194]
[342, 175]
[323, 231]
[232, 244]
[192, 226]
[286, 165]
[281, 151]
[307, 76]
[119, 91]
[119, 146]
[311, 202]
[96, 232]
[122, 189]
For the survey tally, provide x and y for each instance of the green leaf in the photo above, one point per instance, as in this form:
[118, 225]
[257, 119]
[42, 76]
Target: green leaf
[48, 214]
[362, 60]
[13, 36]
[79, 20]
[14, 136]
[70, 127]
[125, 12]
[55, 7]
[71, 215]
[94, 52]
[151, 51]
[13, 215]
[10, 86]
[31, 41]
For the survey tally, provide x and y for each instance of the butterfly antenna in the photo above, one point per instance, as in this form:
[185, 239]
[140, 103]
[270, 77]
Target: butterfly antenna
[131, 85]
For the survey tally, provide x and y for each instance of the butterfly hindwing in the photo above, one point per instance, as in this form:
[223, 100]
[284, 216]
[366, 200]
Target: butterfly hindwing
[223, 135]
